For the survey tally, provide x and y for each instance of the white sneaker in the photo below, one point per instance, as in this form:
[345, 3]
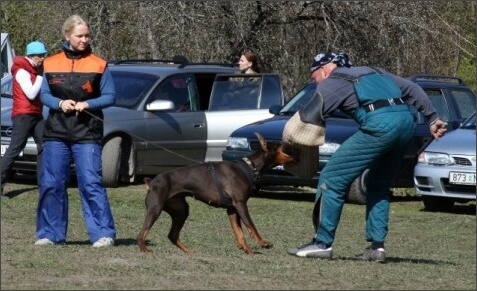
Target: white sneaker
[44, 242]
[103, 242]
[312, 250]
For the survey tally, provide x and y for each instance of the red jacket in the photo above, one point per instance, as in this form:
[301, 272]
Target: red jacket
[21, 104]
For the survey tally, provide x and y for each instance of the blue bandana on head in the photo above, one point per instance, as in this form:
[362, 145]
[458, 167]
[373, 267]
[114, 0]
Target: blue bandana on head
[321, 59]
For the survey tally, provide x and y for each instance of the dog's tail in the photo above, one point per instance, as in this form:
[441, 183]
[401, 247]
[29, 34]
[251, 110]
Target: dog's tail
[147, 180]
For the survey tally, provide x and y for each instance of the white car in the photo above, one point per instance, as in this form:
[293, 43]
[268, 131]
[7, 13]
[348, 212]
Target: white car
[445, 172]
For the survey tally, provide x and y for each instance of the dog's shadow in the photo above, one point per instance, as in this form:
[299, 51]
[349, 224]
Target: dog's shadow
[126, 242]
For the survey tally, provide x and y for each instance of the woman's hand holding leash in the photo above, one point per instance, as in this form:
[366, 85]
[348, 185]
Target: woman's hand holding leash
[70, 105]
[67, 105]
[80, 106]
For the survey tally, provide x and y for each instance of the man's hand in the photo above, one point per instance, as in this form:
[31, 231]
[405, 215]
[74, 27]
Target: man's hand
[438, 128]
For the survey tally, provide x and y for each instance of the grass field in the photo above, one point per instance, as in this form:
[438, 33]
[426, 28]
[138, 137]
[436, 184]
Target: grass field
[425, 250]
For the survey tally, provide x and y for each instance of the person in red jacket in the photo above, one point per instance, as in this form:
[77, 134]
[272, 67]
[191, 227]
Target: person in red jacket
[27, 118]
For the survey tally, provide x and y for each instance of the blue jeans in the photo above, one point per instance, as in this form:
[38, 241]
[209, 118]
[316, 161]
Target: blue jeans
[52, 212]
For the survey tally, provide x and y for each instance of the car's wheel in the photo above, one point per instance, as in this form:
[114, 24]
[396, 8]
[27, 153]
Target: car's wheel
[356, 193]
[437, 204]
[111, 159]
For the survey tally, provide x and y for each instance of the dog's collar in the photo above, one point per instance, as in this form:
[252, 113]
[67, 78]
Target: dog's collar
[252, 167]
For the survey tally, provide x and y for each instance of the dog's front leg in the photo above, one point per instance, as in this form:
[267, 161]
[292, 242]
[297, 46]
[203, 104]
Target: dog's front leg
[242, 210]
[237, 229]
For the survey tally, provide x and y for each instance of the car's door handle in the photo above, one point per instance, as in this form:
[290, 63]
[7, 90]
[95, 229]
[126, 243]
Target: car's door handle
[198, 125]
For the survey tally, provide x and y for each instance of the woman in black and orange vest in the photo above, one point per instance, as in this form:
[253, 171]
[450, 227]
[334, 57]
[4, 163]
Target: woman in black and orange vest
[77, 85]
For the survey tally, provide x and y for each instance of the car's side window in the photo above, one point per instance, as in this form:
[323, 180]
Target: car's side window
[204, 84]
[461, 99]
[193, 94]
[227, 94]
[236, 93]
[222, 91]
[271, 92]
[176, 90]
[130, 88]
[439, 102]
[465, 101]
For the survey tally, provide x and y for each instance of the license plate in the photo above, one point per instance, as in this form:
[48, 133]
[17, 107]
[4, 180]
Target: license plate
[462, 178]
[4, 149]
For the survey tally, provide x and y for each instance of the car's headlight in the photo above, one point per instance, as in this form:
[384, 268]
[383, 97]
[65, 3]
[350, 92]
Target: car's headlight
[237, 143]
[433, 158]
[328, 148]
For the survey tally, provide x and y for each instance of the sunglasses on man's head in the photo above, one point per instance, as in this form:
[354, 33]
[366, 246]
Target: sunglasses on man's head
[38, 55]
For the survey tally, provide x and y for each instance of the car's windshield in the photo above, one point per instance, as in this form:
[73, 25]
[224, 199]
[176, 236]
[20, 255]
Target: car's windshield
[469, 123]
[299, 100]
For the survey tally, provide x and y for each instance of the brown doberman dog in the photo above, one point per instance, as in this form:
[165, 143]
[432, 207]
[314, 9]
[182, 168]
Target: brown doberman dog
[225, 184]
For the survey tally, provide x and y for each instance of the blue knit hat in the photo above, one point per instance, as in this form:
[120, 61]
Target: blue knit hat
[35, 48]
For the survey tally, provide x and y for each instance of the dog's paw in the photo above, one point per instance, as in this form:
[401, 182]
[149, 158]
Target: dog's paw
[145, 250]
[266, 244]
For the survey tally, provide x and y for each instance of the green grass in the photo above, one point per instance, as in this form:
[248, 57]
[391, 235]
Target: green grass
[425, 250]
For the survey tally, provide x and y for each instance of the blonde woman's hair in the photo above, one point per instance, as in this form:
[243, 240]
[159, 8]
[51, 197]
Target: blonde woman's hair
[71, 23]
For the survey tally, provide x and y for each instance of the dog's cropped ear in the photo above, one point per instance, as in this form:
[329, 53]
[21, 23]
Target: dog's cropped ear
[263, 142]
[147, 180]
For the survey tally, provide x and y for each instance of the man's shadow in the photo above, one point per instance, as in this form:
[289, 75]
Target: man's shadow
[401, 260]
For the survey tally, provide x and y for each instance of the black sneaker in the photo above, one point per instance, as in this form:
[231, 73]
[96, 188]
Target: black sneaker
[377, 255]
[312, 250]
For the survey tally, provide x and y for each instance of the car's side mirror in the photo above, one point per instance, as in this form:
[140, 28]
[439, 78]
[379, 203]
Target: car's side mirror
[160, 105]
